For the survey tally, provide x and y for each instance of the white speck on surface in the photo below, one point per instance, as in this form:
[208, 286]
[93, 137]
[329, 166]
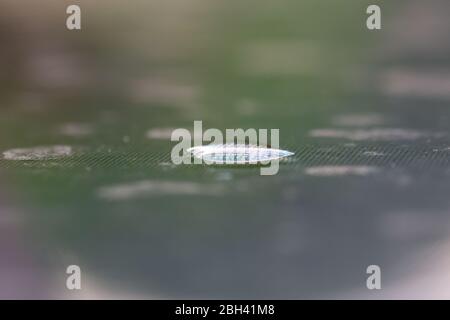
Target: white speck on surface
[350, 145]
[358, 120]
[125, 139]
[38, 153]
[373, 134]
[147, 188]
[167, 165]
[159, 133]
[341, 170]
[373, 153]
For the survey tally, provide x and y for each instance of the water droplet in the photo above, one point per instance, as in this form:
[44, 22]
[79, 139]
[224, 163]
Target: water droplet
[237, 154]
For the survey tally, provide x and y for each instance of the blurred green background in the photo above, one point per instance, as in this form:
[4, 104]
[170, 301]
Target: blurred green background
[366, 112]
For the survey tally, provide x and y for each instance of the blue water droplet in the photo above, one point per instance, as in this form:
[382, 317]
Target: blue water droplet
[237, 154]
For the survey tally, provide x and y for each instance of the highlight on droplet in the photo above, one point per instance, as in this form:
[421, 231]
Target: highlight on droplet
[237, 154]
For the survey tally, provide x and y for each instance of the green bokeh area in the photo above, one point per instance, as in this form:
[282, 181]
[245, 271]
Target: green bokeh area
[136, 71]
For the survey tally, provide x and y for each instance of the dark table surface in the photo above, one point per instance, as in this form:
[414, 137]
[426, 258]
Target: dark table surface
[366, 113]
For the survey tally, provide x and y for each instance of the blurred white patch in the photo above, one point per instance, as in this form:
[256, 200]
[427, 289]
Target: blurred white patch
[167, 165]
[418, 29]
[247, 107]
[166, 91]
[126, 139]
[415, 83]
[341, 170]
[373, 134]
[38, 153]
[224, 176]
[54, 68]
[373, 153]
[281, 58]
[350, 145]
[358, 120]
[411, 225]
[160, 133]
[166, 133]
[76, 129]
[148, 188]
